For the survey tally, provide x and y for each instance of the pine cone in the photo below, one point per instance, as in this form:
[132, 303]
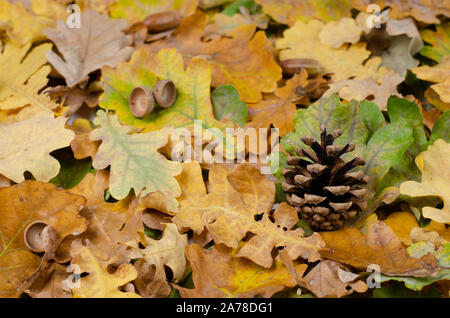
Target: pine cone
[321, 188]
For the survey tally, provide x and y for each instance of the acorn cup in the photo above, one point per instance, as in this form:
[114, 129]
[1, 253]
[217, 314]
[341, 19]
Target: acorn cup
[40, 237]
[321, 187]
[165, 93]
[162, 21]
[141, 102]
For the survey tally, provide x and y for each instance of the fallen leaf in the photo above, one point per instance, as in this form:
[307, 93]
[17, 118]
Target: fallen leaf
[280, 110]
[336, 33]
[99, 283]
[301, 41]
[325, 280]
[193, 90]
[402, 223]
[439, 40]
[433, 164]
[378, 246]
[243, 59]
[81, 145]
[20, 205]
[137, 10]
[135, 167]
[367, 88]
[25, 146]
[218, 273]
[290, 11]
[51, 283]
[227, 104]
[81, 53]
[437, 74]
[24, 73]
[26, 24]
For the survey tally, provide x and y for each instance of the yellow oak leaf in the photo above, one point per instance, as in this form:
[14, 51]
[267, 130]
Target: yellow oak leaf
[290, 11]
[434, 163]
[81, 145]
[25, 24]
[99, 283]
[302, 41]
[402, 223]
[20, 205]
[26, 146]
[136, 11]
[336, 33]
[243, 59]
[379, 246]
[24, 73]
[279, 111]
[218, 273]
[167, 251]
[134, 159]
[439, 74]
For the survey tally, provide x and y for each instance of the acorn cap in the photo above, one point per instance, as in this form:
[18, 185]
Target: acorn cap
[141, 102]
[165, 93]
[40, 237]
[162, 21]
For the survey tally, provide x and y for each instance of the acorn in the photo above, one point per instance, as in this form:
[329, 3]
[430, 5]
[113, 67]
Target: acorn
[162, 21]
[40, 237]
[293, 66]
[141, 102]
[165, 93]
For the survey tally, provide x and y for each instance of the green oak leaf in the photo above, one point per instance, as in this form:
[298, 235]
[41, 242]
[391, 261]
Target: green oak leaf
[441, 129]
[227, 104]
[72, 170]
[135, 161]
[399, 291]
[372, 116]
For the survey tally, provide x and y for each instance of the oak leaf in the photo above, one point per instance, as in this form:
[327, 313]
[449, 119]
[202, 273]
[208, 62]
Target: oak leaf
[378, 245]
[24, 73]
[290, 11]
[140, 166]
[439, 40]
[219, 273]
[439, 74]
[402, 223]
[332, 279]
[243, 59]
[435, 167]
[337, 33]
[98, 42]
[280, 110]
[21, 205]
[24, 24]
[144, 69]
[99, 283]
[137, 10]
[26, 146]
[301, 41]
[81, 145]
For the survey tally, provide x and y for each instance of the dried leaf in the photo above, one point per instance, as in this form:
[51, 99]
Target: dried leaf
[243, 59]
[437, 74]
[301, 41]
[325, 280]
[98, 42]
[439, 40]
[378, 246]
[336, 33]
[402, 223]
[21, 205]
[25, 146]
[219, 273]
[99, 283]
[434, 165]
